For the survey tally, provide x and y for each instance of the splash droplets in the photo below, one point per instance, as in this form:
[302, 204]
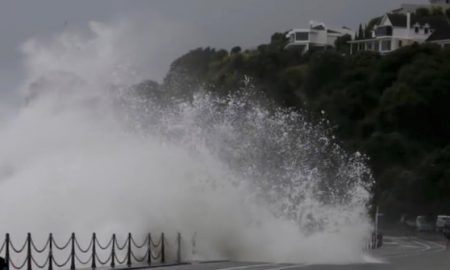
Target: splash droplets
[253, 182]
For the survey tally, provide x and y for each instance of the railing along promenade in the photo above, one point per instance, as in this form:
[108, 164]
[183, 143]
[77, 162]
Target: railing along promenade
[30, 256]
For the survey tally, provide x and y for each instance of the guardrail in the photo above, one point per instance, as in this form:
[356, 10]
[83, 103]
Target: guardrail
[154, 252]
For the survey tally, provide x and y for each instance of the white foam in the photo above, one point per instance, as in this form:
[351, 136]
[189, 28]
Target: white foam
[252, 184]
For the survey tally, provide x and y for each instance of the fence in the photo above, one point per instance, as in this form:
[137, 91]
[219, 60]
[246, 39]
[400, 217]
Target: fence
[154, 252]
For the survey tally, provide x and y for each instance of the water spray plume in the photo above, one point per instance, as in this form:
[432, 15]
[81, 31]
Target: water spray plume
[250, 181]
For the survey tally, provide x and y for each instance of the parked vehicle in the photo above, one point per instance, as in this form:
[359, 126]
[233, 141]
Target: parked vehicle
[441, 222]
[423, 225]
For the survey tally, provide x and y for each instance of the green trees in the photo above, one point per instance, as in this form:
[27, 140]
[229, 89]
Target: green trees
[341, 44]
[423, 12]
[324, 69]
[394, 108]
[437, 11]
[360, 34]
[236, 49]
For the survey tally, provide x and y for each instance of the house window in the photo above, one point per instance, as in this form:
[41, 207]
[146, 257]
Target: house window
[416, 29]
[400, 43]
[426, 30]
[386, 45]
[302, 36]
[383, 31]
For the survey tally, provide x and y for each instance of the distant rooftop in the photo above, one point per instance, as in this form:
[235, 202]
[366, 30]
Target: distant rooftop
[318, 27]
[400, 20]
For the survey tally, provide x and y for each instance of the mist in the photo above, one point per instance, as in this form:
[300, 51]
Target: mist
[250, 182]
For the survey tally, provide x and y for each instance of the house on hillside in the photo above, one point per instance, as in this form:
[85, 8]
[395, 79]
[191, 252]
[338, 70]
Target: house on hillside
[317, 36]
[396, 30]
[411, 8]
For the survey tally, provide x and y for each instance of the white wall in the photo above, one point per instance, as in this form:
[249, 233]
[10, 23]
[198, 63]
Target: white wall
[420, 37]
[318, 37]
[313, 37]
[331, 40]
[403, 33]
[322, 37]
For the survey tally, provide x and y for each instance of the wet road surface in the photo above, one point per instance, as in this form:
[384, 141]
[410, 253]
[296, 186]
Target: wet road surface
[397, 253]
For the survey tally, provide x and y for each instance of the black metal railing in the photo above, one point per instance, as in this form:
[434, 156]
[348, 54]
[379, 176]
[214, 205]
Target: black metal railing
[125, 254]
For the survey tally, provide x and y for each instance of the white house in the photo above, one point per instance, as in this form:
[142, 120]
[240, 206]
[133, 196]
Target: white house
[318, 35]
[411, 8]
[396, 30]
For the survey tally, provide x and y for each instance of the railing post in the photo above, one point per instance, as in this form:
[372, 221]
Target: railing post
[93, 266]
[29, 262]
[7, 256]
[149, 249]
[113, 251]
[163, 252]
[179, 248]
[72, 253]
[129, 250]
[50, 252]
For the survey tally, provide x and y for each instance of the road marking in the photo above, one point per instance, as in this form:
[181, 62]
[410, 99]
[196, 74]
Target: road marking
[424, 245]
[440, 246]
[421, 247]
[288, 267]
[247, 266]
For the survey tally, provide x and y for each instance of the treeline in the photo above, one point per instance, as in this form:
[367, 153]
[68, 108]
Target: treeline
[394, 108]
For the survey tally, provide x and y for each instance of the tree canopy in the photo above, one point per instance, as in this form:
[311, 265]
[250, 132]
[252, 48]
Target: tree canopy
[393, 108]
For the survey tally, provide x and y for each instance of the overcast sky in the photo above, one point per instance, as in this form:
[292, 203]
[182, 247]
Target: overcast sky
[220, 23]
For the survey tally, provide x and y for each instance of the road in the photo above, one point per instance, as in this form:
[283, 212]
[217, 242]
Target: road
[398, 253]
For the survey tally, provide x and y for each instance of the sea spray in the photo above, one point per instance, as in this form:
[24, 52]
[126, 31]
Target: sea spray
[250, 181]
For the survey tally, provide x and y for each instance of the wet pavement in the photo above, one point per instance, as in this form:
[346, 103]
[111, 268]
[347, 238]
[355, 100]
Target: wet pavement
[397, 253]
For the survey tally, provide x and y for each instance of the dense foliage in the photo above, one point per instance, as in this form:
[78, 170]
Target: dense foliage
[394, 108]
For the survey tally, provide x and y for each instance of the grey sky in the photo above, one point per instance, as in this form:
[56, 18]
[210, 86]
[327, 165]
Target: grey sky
[221, 23]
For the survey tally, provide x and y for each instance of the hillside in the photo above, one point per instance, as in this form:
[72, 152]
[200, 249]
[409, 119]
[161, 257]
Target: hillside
[393, 108]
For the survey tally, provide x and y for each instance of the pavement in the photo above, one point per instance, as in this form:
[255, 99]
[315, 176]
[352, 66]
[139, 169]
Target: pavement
[397, 253]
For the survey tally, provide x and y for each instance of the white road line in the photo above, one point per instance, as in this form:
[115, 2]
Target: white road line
[436, 247]
[288, 267]
[409, 246]
[247, 266]
[424, 245]
[422, 248]
[440, 246]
